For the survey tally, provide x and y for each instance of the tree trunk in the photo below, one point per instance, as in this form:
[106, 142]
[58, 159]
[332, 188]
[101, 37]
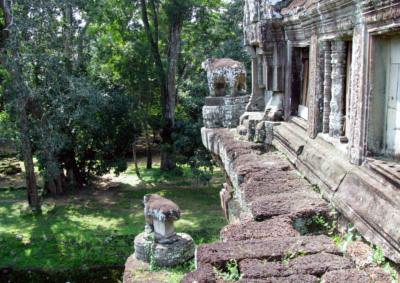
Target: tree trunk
[149, 154]
[174, 42]
[74, 176]
[167, 81]
[6, 6]
[54, 184]
[32, 190]
[135, 160]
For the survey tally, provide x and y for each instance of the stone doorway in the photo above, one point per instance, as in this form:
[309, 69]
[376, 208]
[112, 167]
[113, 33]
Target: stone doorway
[392, 127]
[384, 120]
[300, 75]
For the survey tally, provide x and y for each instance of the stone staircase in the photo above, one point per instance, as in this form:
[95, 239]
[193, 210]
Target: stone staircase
[263, 242]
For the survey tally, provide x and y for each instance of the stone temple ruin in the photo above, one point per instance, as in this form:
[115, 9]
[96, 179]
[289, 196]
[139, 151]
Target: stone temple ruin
[322, 119]
[226, 81]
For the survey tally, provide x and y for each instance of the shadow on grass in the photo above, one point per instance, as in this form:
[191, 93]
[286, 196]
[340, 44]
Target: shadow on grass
[181, 176]
[93, 234]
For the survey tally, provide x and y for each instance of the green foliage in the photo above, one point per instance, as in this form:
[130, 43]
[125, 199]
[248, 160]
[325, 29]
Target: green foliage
[230, 273]
[317, 224]
[378, 256]
[291, 255]
[214, 31]
[90, 230]
[8, 133]
[76, 121]
[392, 269]
[380, 259]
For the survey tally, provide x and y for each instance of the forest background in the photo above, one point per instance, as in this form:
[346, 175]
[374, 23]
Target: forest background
[82, 81]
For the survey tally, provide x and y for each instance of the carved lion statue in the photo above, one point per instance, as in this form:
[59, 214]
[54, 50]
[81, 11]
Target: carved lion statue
[225, 76]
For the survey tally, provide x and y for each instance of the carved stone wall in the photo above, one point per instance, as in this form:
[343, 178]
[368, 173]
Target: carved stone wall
[224, 112]
[330, 148]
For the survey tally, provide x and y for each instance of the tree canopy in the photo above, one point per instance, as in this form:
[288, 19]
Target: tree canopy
[82, 80]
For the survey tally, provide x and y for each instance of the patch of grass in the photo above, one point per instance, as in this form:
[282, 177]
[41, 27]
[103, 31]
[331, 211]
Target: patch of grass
[96, 228]
[176, 273]
[181, 176]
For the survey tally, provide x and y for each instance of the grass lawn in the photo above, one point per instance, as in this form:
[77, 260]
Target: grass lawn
[95, 228]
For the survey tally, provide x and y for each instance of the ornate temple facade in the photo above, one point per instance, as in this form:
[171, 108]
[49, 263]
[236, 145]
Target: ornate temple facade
[319, 136]
[336, 66]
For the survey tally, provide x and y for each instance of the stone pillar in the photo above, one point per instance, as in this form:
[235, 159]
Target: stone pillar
[337, 117]
[279, 66]
[320, 86]
[269, 57]
[261, 69]
[288, 80]
[313, 81]
[359, 96]
[257, 100]
[327, 87]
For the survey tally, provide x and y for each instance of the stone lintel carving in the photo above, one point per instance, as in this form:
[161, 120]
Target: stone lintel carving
[337, 118]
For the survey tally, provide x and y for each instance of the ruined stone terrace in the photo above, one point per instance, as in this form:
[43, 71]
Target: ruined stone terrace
[268, 198]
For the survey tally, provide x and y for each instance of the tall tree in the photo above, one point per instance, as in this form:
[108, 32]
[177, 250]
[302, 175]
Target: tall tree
[23, 105]
[176, 11]
[77, 126]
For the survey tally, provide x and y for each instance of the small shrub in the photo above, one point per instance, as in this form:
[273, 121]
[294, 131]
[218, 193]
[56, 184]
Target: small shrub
[379, 256]
[231, 272]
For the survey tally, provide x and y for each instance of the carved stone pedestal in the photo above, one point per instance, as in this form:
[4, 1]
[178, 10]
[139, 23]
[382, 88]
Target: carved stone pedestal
[169, 254]
[224, 112]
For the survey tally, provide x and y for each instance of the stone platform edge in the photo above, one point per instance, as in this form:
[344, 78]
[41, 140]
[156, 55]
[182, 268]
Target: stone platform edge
[366, 200]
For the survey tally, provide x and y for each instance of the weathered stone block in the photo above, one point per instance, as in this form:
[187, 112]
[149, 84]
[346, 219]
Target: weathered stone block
[168, 254]
[224, 112]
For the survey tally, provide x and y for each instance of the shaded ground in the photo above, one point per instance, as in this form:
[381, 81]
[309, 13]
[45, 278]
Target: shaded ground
[95, 228]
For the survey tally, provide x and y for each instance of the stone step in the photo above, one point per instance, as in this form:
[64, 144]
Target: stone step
[253, 230]
[315, 264]
[300, 278]
[371, 275]
[218, 254]
[295, 205]
[204, 274]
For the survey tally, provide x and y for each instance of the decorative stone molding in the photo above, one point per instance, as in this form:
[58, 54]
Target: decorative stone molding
[224, 112]
[313, 106]
[359, 98]
[327, 87]
[337, 118]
